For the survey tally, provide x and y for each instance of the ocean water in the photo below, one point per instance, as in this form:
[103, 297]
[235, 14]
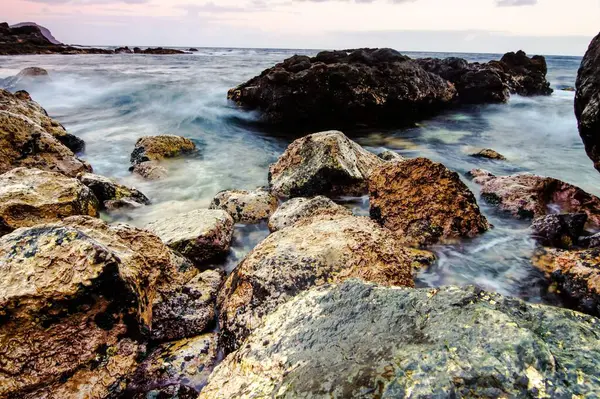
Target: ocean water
[111, 101]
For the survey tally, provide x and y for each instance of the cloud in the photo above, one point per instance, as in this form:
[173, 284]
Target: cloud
[85, 2]
[515, 3]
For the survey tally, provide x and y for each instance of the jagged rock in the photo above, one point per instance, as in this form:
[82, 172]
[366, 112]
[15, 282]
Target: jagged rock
[345, 88]
[32, 196]
[180, 367]
[156, 148]
[529, 196]
[587, 101]
[310, 253]
[21, 104]
[424, 202]
[489, 154]
[111, 194]
[43, 30]
[577, 274]
[388, 155]
[525, 76]
[246, 206]
[327, 163]
[362, 340]
[300, 208]
[150, 170]
[561, 231]
[200, 235]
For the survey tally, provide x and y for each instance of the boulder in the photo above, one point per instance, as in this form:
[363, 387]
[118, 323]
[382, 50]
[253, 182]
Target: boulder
[123, 50]
[587, 101]
[20, 104]
[111, 194]
[362, 340]
[529, 196]
[176, 369]
[246, 206]
[310, 253]
[388, 155]
[296, 209]
[32, 196]
[424, 202]
[200, 235]
[71, 289]
[150, 170]
[157, 148]
[560, 231]
[327, 163]
[489, 154]
[161, 51]
[193, 49]
[576, 274]
[345, 88]
[26, 77]
[525, 75]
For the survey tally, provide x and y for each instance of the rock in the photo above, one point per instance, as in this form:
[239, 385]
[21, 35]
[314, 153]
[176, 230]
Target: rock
[123, 50]
[561, 231]
[201, 235]
[424, 202]
[345, 88]
[137, 50]
[185, 308]
[529, 196]
[489, 154]
[26, 77]
[310, 253]
[362, 340]
[568, 88]
[246, 206]
[44, 31]
[576, 273]
[32, 196]
[21, 105]
[161, 51]
[111, 194]
[296, 209]
[587, 101]
[592, 241]
[180, 366]
[150, 170]
[157, 148]
[526, 76]
[193, 49]
[388, 155]
[327, 163]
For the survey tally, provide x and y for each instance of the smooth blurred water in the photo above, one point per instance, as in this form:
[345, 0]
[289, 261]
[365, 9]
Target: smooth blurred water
[112, 100]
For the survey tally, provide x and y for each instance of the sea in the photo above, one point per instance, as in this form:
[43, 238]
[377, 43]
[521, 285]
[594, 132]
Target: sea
[112, 100]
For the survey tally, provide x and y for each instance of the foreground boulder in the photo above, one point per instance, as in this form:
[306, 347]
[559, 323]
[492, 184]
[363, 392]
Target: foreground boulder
[576, 273]
[307, 254]
[528, 196]
[345, 88]
[296, 209]
[326, 163]
[587, 101]
[201, 235]
[176, 369]
[560, 231]
[424, 202]
[362, 340]
[111, 194]
[32, 196]
[26, 77]
[246, 206]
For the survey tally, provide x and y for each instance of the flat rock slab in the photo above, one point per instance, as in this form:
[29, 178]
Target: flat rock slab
[361, 340]
[246, 206]
[200, 235]
[296, 209]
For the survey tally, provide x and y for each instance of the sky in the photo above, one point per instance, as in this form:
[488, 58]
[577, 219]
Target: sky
[552, 27]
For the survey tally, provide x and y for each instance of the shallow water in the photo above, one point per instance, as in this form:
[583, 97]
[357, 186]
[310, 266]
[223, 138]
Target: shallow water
[110, 101]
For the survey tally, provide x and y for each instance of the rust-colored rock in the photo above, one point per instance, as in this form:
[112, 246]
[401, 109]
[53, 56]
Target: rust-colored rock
[31, 196]
[424, 202]
[308, 254]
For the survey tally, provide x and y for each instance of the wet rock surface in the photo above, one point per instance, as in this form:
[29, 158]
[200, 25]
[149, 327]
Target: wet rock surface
[326, 163]
[424, 202]
[525, 75]
[246, 206]
[560, 231]
[488, 153]
[157, 148]
[307, 254]
[150, 170]
[297, 209]
[587, 101]
[32, 196]
[361, 340]
[201, 235]
[111, 194]
[345, 88]
[528, 196]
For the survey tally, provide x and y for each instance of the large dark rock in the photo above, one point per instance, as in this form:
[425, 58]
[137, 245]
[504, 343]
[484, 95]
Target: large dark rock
[345, 88]
[524, 75]
[358, 340]
[587, 101]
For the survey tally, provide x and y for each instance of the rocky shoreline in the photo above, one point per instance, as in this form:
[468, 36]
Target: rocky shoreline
[325, 306]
